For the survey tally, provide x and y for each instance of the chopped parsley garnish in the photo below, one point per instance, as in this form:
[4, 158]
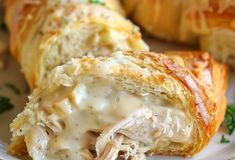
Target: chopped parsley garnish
[229, 121]
[230, 118]
[27, 89]
[101, 2]
[13, 88]
[66, 21]
[5, 104]
[224, 140]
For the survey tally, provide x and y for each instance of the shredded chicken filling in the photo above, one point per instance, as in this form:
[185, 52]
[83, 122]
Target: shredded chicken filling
[100, 120]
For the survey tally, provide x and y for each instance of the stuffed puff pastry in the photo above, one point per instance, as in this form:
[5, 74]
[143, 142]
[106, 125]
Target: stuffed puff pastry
[128, 105]
[209, 23]
[45, 34]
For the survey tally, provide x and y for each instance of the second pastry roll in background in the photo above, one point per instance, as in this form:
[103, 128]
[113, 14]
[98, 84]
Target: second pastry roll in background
[209, 24]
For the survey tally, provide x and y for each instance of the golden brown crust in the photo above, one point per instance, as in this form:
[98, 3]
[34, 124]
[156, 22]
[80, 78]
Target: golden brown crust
[17, 17]
[197, 22]
[195, 16]
[213, 76]
[212, 79]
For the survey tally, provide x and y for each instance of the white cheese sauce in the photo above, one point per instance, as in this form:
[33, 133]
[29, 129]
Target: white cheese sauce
[100, 104]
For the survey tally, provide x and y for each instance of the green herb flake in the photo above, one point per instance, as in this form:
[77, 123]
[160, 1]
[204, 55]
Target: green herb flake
[58, 2]
[13, 88]
[230, 118]
[101, 2]
[65, 20]
[27, 89]
[5, 104]
[224, 140]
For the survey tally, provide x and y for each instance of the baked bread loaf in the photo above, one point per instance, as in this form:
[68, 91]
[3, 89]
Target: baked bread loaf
[128, 105]
[46, 33]
[207, 23]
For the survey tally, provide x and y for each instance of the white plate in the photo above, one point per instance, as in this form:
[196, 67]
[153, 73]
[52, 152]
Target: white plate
[214, 151]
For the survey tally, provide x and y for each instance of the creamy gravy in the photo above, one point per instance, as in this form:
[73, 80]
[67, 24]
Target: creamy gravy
[100, 104]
